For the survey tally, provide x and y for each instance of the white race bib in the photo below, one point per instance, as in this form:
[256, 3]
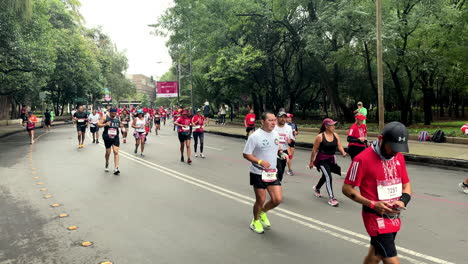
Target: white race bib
[81, 120]
[283, 139]
[184, 128]
[196, 127]
[388, 190]
[112, 132]
[269, 175]
[252, 119]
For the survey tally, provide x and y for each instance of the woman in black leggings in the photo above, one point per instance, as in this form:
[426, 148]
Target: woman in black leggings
[323, 157]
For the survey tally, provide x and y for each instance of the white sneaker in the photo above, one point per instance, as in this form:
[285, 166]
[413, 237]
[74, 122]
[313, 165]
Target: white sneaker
[196, 155]
[463, 187]
[107, 167]
[202, 155]
[333, 202]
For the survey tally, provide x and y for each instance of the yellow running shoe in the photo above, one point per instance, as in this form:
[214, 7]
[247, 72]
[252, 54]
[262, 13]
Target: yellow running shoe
[256, 226]
[264, 220]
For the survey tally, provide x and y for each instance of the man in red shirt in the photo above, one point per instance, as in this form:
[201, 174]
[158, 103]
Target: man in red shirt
[357, 137]
[198, 122]
[385, 190]
[249, 123]
[183, 130]
[163, 114]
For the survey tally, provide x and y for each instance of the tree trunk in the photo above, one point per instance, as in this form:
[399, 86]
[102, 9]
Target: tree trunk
[369, 69]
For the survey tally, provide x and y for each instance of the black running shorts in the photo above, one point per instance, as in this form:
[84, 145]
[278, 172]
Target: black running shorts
[257, 183]
[384, 245]
[94, 129]
[249, 128]
[184, 136]
[109, 142]
[81, 128]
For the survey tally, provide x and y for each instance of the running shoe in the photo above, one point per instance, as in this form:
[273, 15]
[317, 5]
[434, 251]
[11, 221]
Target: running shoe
[256, 226]
[182, 159]
[289, 172]
[116, 171]
[136, 150]
[333, 202]
[317, 192]
[196, 155]
[94, 141]
[79, 146]
[142, 155]
[97, 142]
[463, 187]
[202, 155]
[107, 167]
[189, 161]
[264, 220]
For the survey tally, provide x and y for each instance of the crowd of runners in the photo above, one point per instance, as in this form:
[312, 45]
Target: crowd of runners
[378, 168]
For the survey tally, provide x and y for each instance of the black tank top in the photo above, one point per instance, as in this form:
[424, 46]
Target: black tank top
[115, 124]
[326, 147]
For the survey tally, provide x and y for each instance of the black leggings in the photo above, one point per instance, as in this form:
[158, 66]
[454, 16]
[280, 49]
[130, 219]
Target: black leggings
[353, 151]
[281, 166]
[200, 135]
[327, 168]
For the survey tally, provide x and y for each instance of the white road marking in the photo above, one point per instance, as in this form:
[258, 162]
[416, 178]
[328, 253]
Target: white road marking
[212, 148]
[290, 215]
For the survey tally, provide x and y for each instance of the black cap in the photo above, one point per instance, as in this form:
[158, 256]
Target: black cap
[395, 135]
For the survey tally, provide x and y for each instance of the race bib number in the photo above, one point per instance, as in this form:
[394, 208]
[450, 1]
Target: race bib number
[196, 127]
[252, 119]
[282, 139]
[269, 175]
[112, 132]
[388, 190]
[81, 120]
[184, 128]
[124, 122]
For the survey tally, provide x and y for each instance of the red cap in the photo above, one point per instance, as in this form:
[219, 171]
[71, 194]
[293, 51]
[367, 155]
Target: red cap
[185, 112]
[145, 110]
[289, 115]
[329, 122]
[361, 117]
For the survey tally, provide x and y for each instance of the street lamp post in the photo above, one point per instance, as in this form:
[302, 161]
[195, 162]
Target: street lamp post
[380, 91]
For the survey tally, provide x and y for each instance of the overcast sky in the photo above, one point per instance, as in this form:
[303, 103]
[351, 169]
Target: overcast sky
[126, 22]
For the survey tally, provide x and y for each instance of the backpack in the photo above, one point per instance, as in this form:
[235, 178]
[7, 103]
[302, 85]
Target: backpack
[424, 136]
[439, 136]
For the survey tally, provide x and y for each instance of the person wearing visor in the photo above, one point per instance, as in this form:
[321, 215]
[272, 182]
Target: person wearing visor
[323, 158]
[139, 124]
[384, 190]
[183, 124]
[357, 137]
[111, 124]
[198, 123]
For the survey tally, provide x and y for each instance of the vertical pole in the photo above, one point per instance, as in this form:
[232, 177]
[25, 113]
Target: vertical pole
[178, 84]
[380, 90]
[191, 77]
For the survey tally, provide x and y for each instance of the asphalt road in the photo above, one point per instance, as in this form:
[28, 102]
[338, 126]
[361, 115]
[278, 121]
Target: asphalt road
[160, 210]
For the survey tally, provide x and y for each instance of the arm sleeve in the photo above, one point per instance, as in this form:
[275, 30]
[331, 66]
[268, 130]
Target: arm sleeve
[355, 173]
[353, 140]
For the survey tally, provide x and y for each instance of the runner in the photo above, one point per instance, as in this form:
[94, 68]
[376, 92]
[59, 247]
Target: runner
[81, 119]
[183, 130]
[292, 145]
[357, 137]
[261, 150]
[323, 157]
[384, 190]
[31, 125]
[93, 126]
[111, 124]
[124, 120]
[249, 123]
[139, 124]
[361, 110]
[163, 114]
[464, 186]
[47, 120]
[207, 111]
[157, 121]
[176, 115]
[198, 123]
[286, 136]
[23, 113]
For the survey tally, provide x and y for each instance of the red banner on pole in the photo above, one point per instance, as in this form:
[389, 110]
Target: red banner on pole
[167, 89]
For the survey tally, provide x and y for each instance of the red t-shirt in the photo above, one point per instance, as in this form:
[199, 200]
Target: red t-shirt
[176, 114]
[250, 119]
[198, 121]
[163, 113]
[183, 121]
[370, 173]
[356, 131]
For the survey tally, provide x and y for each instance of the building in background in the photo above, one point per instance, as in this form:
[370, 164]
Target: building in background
[144, 85]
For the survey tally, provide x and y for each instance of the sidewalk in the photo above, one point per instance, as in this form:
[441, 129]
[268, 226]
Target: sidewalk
[12, 129]
[444, 154]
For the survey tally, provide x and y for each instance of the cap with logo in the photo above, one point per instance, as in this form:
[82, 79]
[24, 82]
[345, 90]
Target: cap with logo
[361, 117]
[281, 113]
[329, 122]
[395, 134]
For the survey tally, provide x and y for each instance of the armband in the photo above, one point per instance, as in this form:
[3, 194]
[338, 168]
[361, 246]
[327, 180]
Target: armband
[405, 198]
[259, 162]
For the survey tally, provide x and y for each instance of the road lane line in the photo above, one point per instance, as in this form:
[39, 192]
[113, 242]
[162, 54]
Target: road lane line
[212, 148]
[286, 213]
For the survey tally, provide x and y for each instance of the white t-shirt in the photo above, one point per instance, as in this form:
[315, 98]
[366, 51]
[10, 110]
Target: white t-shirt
[285, 133]
[94, 119]
[264, 146]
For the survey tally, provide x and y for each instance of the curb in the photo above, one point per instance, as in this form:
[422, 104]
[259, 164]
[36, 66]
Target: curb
[446, 163]
[23, 130]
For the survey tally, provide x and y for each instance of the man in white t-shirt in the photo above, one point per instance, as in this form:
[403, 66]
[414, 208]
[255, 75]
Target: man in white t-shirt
[286, 136]
[93, 120]
[261, 150]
